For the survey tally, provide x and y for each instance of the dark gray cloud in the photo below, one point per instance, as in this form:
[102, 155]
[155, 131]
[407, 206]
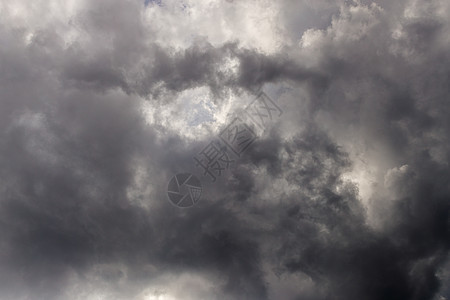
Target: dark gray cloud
[84, 171]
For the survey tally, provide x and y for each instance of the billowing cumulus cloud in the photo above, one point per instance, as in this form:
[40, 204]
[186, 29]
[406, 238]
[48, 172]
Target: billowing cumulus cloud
[344, 196]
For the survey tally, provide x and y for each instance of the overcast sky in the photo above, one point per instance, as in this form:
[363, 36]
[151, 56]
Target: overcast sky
[344, 195]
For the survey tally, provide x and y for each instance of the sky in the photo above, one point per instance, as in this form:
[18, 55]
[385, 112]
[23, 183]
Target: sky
[343, 194]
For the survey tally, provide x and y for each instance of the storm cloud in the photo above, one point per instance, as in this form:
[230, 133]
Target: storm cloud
[345, 196]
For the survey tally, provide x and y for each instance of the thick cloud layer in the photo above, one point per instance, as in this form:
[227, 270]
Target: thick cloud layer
[345, 196]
